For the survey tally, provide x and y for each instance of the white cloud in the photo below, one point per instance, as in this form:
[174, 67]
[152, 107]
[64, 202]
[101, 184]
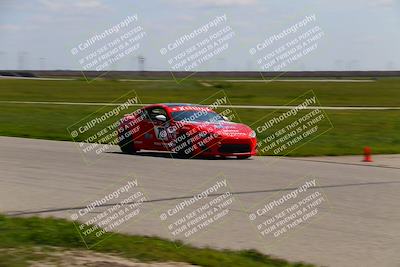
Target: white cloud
[89, 4]
[218, 2]
[370, 3]
[65, 5]
[52, 5]
[9, 27]
[381, 2]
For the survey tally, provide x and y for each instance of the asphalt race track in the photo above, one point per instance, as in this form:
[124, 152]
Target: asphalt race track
[359, 227]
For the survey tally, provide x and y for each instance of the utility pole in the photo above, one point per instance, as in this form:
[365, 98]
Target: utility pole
[339, 65]
[3, 64]
[220, 64]
[390, 65]
[42, 63]
[353, 65]
[141, 62]
[22, 60]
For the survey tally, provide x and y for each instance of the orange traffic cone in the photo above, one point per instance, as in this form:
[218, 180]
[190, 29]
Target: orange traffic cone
[367, 154]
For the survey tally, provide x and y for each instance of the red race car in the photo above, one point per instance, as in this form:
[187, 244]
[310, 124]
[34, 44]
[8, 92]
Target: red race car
[187, 130]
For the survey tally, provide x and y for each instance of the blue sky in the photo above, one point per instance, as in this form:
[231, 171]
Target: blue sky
[359, 34]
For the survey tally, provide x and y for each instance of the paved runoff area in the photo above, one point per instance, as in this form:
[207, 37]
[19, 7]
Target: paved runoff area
[330, 211]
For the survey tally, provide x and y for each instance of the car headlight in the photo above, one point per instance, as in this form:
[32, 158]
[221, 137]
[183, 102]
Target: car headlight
[253, 134]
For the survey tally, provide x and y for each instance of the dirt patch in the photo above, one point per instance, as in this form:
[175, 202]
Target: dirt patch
[75, 258]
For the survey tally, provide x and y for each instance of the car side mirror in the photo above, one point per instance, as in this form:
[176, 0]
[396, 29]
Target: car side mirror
[161, 118]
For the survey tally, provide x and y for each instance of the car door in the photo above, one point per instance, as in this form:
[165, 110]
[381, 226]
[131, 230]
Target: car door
[154, 135]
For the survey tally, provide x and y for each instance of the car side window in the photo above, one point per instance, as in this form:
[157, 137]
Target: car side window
[152, 113]
[145, 114]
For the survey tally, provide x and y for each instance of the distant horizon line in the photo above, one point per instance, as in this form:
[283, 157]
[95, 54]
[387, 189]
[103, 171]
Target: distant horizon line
[202, 71]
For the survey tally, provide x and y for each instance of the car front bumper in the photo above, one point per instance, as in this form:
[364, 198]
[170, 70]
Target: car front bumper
[229, 146]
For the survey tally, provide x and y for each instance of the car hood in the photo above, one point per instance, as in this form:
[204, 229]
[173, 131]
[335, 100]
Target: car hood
[223, 128]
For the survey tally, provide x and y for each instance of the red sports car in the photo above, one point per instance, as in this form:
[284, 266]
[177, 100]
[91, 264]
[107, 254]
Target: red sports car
[187, 130]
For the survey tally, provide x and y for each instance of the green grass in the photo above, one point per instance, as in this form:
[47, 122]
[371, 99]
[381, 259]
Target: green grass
[352, 130]
[384, 92]
[26, 234]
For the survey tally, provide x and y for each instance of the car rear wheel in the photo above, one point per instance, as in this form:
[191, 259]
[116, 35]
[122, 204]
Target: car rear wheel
[126, 144]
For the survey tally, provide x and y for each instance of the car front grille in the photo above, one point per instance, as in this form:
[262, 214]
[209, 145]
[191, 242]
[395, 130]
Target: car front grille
[234, 148]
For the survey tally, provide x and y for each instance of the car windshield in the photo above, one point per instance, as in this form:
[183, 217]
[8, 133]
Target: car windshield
[197, 116]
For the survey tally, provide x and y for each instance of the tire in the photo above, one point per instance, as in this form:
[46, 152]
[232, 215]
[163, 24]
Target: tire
[243, 157]
[181, 153]
[126, 145]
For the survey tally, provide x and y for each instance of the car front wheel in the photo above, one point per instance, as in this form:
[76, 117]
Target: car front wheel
[184, 147]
